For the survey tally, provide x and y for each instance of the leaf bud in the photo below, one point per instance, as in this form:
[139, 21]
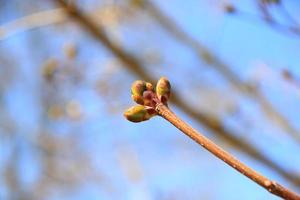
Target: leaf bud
[163, 89]
[138, 113]
[137, 89]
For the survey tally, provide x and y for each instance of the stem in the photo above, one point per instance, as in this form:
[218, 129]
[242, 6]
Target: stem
[268, 184]
[133, 64]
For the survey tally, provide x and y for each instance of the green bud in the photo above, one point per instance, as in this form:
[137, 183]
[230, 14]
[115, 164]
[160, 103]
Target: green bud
[138, 113]
[137, 89]
[163, 89]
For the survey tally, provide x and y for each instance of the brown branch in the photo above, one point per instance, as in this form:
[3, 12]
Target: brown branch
[269, 185]
[211, 59]
[215, 125]
[270, 20]
[136, 67]
[32, 21]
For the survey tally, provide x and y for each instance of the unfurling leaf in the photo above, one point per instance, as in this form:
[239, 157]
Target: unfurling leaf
[163, 89]
[138, 113]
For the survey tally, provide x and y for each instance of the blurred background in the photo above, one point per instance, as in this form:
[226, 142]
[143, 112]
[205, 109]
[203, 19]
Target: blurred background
[66, 68]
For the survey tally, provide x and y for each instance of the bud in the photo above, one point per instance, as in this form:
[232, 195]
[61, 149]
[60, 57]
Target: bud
[137, 89]
[163, 89]
[138, 113]
[229, 8]
[149, 86]
[148, 98]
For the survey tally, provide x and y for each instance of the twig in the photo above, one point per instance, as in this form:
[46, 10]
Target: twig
[269, 185]
[267, 18]
[155, 102]
[136, 67]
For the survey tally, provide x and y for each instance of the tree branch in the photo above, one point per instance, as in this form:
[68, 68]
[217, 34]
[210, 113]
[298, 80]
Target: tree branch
[266, 183]
[136, 67]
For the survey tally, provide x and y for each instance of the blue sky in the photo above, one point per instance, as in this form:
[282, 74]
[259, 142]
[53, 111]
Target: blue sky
[168, 165]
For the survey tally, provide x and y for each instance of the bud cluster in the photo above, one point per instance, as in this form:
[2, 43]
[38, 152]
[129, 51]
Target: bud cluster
[144, 94]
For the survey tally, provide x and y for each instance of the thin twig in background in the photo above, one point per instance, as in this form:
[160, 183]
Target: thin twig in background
[292, 29]
[136, 67]
[32, 21]
[273, 23]
[272, 186]
[154, 102]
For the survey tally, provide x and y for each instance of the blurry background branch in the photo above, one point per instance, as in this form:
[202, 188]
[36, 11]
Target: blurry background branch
[267, 16]
[32, 21]
[136, 67]
[290, 27]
